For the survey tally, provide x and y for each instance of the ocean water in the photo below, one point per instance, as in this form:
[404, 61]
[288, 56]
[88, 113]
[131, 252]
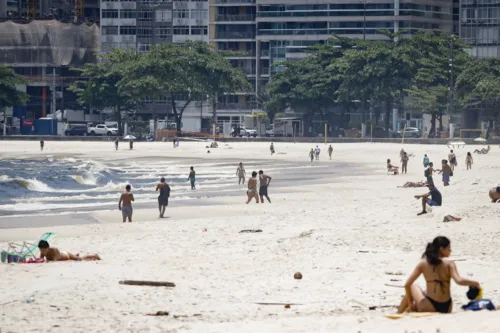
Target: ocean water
[32, 187]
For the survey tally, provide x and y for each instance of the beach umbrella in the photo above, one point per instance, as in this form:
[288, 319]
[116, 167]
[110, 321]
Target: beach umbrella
[479, 140]
[130, 137]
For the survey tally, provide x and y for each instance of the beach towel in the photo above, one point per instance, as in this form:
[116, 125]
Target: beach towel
[479, 304]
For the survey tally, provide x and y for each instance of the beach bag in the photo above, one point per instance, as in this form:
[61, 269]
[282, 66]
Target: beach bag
[479, 304]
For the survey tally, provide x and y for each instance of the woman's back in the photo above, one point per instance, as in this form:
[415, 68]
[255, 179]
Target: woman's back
[437, 278]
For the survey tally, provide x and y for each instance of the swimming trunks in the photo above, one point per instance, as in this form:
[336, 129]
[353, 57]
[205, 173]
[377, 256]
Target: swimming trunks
[164, 194]
[127, 211]
[263, 190]
[446, 177]
[441, 307]
[192, 180]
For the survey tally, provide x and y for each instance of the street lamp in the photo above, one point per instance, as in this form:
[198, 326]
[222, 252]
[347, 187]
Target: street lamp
[364, 2]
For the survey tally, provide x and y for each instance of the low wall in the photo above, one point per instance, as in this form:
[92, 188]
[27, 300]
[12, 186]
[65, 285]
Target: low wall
[263, 139]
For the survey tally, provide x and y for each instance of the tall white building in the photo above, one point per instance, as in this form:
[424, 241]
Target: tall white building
[139, 24]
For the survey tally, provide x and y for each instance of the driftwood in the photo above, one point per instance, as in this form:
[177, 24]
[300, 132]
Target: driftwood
[148, 283]
[159, 313]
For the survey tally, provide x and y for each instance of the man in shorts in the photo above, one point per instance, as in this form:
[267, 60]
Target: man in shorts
[264, 180]
[125, 204]
[164, 189]
[432, 198]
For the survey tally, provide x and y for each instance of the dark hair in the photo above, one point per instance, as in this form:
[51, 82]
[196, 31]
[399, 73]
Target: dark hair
[431, 163]
[261, 172]
[43, 244]
[162, 179]
[191, 168]
[432, 250]
[128, 187]
[468, 153]
[388, 160]
[451, 151]
[254, 174]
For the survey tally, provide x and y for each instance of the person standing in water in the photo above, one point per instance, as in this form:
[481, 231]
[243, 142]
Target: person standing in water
[271, 148]
[125, 204]
[116, 143]
[330, 151]
[241, 173]
[42, 143]
[404, 163]
[469, 161]
[311, 155]
[264, 180]
[252, 188]
[163, 197]
[426, 161]
[192, 178]
[438, 273]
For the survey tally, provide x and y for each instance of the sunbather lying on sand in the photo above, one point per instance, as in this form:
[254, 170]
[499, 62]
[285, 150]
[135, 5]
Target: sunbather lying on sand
[438, 273]
[412, 184]
[53, 253]
[482, 151]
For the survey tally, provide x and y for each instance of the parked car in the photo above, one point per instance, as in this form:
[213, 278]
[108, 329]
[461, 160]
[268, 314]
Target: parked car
[410, 132]
[76, 130]
[102, 130]
[243, 132]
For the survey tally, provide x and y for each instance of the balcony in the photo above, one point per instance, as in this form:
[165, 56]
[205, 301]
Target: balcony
[236, 106]
[234, 2]
[234, 18]
[264, 53]
[248, 71]
[293, 32]
[235, 35]
[240, 54]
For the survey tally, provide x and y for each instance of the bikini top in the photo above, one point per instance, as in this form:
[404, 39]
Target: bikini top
[438, 282]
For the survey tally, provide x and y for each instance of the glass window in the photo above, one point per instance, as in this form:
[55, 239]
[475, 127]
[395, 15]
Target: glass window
[127, 30]
[145, 15]
[164, 15]
[181, 30]
[109, 30]
[109, 13]
[163, 32]
[181, 13]
[144, 32]
[199, 30]
[199, 14]
[127, 13]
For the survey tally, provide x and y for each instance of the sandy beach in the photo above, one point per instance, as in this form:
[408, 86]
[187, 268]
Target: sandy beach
[343, 224]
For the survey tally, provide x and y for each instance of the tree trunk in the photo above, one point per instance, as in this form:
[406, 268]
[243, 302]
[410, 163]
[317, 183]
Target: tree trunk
[432, 131]
[363, 111]
[388, 110]
[177, 117]
[119, 120]
[440, 119]
[377, 115]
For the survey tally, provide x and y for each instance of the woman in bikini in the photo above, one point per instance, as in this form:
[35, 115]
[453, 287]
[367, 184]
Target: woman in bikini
[438, 273]
[252, 188]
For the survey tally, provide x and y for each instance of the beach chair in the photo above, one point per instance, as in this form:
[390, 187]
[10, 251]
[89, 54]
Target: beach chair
[21, 252]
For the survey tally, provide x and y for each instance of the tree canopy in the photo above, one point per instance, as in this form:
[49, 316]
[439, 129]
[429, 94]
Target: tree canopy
[9, 94]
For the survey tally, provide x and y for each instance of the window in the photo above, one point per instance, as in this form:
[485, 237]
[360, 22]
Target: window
[109, 13]
[127, 30]
[181, 13]
[199, 30]
[163, 32]
[127, 13]
[199, 14]
[181, 30]
[144, 47]
[164, 16]
[109, 30]
[145, 15]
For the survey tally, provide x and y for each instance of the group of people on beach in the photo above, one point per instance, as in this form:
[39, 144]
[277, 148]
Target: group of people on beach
[262, 183]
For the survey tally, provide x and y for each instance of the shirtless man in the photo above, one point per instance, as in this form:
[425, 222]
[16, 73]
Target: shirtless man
[192, 178]
[53, 254]
[125, 204]
[252, 188]
[241, 173]
[163, 197]
[42, 143]
[330, 151]
[264, 180]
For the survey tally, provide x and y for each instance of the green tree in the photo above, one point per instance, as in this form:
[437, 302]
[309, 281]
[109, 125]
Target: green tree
[100, 84]
[9, 94]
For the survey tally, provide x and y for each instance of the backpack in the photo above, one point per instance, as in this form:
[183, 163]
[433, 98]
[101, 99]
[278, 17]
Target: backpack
[427, 173]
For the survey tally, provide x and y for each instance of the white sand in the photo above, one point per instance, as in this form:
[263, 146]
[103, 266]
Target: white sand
[221, 274]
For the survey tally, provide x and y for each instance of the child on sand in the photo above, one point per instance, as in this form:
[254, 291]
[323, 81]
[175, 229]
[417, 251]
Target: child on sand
[438, 273]
[426, 161]
[53, 254]
[469, 161]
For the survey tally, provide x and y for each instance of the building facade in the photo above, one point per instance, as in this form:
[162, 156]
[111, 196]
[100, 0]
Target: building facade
[144, 23]
[480, 26]
[265, 33]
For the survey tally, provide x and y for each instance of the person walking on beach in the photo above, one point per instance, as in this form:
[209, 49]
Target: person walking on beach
[435, 199]
[252, 188]
[428, 173]
[404, 163]
[438, 273]
[452, 159]
[426, 161]
[317, 151]
[116, 143]
[401, 153]
[271, 148]
[469, 161]
[131, 144]
[446, 171]
[264, 180]
[125, 204]
[241, 173]
[192, 178]
[330, 151]
[311, 155]
[42, 143]
[164, 189]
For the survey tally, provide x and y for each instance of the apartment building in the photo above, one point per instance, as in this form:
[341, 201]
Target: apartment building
[141, 24]
[480, 26]
[265, 33]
